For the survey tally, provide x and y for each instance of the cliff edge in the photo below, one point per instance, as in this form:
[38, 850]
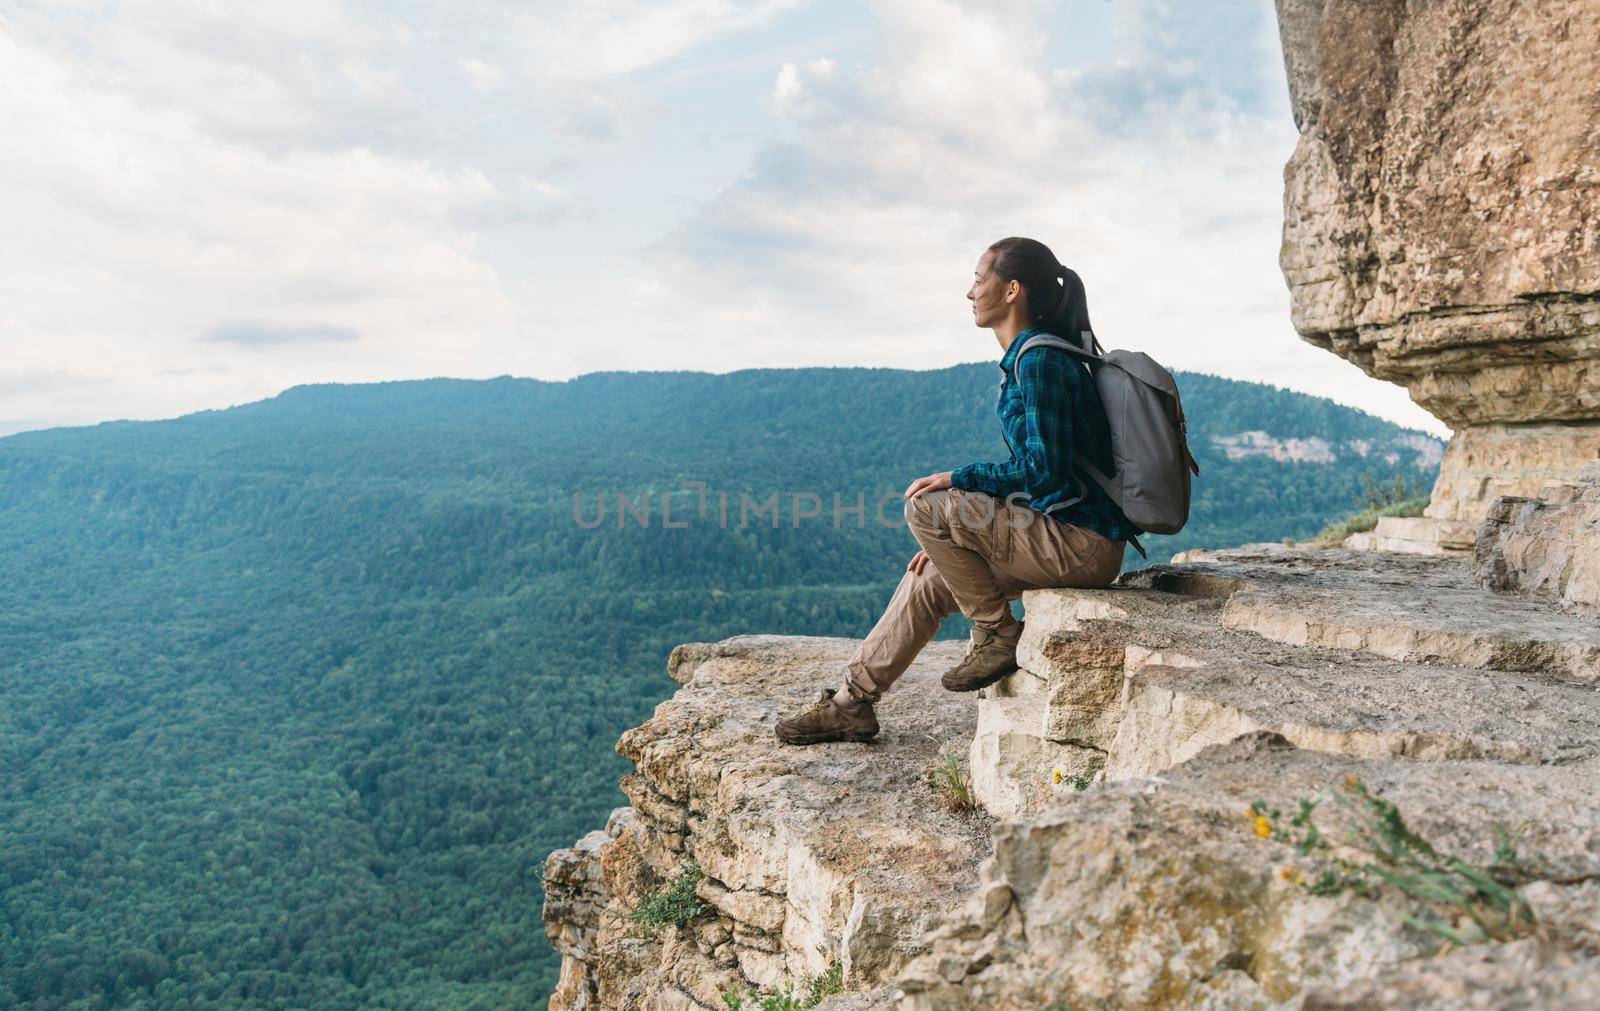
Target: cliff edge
[1120, 858]
[1260, 778]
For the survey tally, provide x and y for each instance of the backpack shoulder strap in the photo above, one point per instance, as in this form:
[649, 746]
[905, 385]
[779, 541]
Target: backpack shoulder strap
[1088, 351]
[1049, 340]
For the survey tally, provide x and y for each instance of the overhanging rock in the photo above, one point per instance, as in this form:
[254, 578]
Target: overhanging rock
[1442, 228]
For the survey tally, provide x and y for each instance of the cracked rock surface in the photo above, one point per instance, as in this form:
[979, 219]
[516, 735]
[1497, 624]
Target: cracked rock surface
[1168, 705]
[832, 853]
[1548, 547]
[1442, 225]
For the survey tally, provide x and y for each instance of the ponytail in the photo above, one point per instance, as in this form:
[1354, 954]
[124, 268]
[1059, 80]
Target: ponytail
[1054, 293]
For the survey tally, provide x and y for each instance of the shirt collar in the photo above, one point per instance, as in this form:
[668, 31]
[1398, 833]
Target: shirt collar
[1010, 357]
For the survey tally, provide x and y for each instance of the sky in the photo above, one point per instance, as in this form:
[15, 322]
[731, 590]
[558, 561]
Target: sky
[205, 203]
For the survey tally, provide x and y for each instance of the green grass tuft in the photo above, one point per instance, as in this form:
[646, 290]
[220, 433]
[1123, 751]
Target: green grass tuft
[1334, 534]
[951, 783]
[784, 998]
[675, 905]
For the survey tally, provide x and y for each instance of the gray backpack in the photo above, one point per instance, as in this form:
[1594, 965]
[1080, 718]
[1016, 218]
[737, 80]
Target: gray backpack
[1150, 458]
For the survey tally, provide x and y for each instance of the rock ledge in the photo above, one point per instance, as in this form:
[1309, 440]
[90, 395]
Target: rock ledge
[1167, 705]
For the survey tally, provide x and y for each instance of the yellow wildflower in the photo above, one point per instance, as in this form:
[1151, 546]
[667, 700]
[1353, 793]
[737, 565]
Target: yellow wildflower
[1263, 826]
[1058, 777]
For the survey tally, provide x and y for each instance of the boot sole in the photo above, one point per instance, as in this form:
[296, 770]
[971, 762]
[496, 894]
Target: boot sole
[853, 736]
[980, 683]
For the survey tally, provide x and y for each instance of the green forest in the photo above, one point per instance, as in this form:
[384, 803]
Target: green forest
[298, 695]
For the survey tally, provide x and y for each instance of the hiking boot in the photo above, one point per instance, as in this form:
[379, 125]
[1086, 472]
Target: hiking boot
[991, 658]
[825, 721]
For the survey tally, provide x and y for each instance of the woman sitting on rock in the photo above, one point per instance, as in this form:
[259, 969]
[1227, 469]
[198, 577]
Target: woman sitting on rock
[988, 531]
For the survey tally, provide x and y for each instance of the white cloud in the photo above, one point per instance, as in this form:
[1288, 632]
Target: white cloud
[607, 38]
[543, 187]
[796, 93]
[290, 73]
[482, 77]
[207, 203]
[131, 231]
[856, 241]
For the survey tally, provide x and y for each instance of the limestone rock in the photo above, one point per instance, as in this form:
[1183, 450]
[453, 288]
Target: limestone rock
[1416, 535]
[1016, 769]
[1157, 893]
[574, 895]
[1421, 610]
[1168, 703]
[1547, 547]
[1442, 221]
[811, 856]
[1337, 651]
[1484, 462]
[1523, 976]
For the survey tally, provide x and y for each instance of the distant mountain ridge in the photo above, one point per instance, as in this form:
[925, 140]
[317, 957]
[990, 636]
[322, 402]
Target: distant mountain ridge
[301, 692]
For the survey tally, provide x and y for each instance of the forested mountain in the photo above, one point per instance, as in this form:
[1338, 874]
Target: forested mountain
[297, 695]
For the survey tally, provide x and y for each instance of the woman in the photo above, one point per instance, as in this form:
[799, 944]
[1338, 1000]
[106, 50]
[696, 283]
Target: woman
[988, 531]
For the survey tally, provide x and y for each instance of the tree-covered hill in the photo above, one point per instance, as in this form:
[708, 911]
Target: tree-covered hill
[298, 695]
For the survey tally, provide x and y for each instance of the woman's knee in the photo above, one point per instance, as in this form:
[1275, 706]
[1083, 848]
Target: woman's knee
[926, 511]
[929, 590]
[916, 512]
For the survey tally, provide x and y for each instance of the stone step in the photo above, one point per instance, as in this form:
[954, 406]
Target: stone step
[1177, 702]
[1425, 625]
[1415, 663]
[1151, 678]
[1417, 535]
[1421, 610]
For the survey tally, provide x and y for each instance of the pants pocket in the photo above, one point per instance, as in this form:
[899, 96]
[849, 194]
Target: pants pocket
[980, 523]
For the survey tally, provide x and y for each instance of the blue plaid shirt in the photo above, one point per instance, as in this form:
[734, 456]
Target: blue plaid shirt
[1051, 411]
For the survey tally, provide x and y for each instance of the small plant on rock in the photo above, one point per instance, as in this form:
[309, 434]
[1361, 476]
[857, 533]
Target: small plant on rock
[675, 905]
[951, 783]
[1079, 783]
[817, 989]
[820, 988]
[1470, 903]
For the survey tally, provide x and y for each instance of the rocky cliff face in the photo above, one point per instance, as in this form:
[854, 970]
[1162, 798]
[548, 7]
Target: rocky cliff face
[1442, 224]
[1116, 862]
[1264, 778]
[812, 857]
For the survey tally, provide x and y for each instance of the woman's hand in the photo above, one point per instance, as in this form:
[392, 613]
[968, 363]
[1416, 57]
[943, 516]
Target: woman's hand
[918, 562]
[933, 482]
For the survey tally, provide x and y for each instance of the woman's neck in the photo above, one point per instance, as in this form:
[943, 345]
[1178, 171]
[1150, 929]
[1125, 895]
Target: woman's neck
[1007, 332]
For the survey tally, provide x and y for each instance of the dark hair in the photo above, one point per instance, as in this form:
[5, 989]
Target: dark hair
[1054, 293]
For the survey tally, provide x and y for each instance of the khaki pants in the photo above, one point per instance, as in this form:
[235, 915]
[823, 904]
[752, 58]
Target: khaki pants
[982, 554]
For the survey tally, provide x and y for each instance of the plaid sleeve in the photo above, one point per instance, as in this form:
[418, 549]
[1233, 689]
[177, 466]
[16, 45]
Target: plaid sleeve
[1048, 379]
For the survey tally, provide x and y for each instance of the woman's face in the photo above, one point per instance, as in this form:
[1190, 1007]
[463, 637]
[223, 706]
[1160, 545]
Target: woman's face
[989, 295]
